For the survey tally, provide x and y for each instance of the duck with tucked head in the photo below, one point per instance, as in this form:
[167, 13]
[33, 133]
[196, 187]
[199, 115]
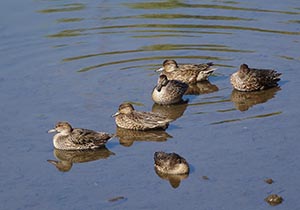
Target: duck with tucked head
[127, 117]
[250, 79]
[187, 73]
[168, 91]
[170, 163]
[68, 138]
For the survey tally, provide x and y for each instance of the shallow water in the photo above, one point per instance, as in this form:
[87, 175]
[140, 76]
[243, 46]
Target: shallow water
[77, 61]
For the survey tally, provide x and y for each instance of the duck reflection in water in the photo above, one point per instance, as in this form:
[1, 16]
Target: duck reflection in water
[203, 87]
[172, 112]
[174, 179]
[66, 158]
[171, 166]
[244, 100]
[128, 137]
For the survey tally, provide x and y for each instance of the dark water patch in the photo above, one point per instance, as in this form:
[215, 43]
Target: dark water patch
[64, 8]
[248, 118]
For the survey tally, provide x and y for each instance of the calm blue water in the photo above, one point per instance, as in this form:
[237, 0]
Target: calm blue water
[77, 61]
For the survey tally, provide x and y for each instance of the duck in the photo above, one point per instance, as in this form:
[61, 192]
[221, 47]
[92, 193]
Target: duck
[250, 79]
[128, 118]
[168, 92]
[68, 138]
[170, 163]
[187, 73]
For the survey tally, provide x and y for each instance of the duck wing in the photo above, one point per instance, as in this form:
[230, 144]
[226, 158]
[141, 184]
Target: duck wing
[177, 87]
[151, 120]
[196, 67]
[86, 136]
[263, 77]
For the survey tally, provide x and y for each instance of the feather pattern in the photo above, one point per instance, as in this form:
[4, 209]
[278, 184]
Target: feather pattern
[127, 117]
[187, 73]
[68, 138]
[170, 163]
[168, 91]
[251, 79]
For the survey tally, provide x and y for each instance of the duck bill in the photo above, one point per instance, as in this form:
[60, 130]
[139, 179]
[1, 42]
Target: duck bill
[158, 87]
[116, 114]
[51, 131]
[160, 69]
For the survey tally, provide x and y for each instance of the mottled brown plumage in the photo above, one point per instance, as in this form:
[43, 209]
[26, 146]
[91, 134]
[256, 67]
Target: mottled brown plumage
[187, 73]
[168, 91]
[250, 79]
[170, 163]
[127, 117]
[68, 138]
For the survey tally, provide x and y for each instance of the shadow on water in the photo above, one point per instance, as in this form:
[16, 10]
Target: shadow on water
[65, 158]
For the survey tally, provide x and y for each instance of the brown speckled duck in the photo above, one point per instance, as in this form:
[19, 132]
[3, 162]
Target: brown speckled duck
[250, 79]
[187, 73]
[170, 163]
[68, 138]
[168, 91]
[127, 117]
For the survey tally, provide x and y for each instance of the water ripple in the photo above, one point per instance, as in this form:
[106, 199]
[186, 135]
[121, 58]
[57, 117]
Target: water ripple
[83, 31]
[147, 58]
[180, 16]
[248, 118]
[64, 8]
[177, 4]
[164, 47]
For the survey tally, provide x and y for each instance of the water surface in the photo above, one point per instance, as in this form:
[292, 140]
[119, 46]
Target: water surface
[77, 61]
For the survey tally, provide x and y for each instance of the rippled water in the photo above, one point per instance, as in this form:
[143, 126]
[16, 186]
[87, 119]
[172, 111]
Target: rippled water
[77, 61]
